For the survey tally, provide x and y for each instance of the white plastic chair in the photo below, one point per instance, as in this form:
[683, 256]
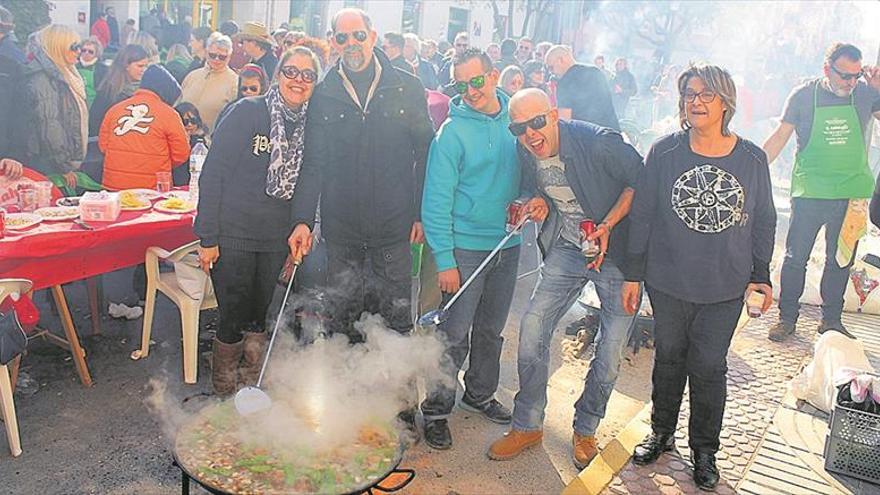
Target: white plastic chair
[10, 287]
[189, 307]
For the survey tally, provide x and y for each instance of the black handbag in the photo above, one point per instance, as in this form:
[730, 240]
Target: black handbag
[13, 340]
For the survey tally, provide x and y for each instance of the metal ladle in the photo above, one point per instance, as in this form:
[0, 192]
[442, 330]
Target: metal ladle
[252, 399]
[438, 316]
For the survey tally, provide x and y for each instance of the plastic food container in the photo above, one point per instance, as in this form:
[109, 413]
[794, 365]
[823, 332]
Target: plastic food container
[99, 206]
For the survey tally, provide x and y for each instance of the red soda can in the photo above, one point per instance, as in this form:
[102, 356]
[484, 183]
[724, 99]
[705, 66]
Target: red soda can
[590, 248]
[513, 212]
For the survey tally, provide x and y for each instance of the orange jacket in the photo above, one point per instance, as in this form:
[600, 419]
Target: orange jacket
[139, 137]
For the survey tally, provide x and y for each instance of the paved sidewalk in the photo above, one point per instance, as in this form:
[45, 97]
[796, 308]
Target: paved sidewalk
[756, 454]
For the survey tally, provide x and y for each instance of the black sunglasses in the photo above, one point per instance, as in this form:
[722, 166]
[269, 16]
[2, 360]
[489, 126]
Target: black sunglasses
[291, 72]
[217, 56]
[475, 82]
[194, 121]
[847, 76]
[75, 47]
[87, 50]
[359, 36]
[519, 128]
[252, 89]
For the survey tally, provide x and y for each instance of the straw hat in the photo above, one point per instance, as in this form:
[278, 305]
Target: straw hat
[255, 31]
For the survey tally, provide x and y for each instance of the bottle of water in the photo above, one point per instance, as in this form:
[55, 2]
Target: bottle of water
[196, 160]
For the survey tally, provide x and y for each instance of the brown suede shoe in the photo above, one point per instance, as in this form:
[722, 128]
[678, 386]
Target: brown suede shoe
[584, 448]
[224, 370]
[252, 359]
[513, 443]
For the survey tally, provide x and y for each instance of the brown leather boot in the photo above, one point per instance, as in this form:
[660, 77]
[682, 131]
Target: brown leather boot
[584, 448]
[224, 370]
[252, 360]
[513, 443]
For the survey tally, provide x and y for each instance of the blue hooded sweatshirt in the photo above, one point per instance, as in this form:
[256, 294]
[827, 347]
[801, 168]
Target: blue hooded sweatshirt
[473, 174]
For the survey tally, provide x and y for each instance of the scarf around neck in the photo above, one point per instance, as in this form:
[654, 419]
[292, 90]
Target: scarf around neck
[286, 155]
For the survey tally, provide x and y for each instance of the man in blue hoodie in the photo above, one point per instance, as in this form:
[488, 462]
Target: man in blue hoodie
[472, 176]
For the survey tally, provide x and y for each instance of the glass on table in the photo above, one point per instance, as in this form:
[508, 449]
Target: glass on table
[44, 193]
[163, 182]
[27, 197]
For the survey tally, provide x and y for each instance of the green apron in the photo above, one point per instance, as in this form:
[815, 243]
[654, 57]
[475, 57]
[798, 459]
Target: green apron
[834, 163]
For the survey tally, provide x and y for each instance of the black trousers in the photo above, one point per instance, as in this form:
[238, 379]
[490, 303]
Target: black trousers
[244, 282]
[691, 343]
[375, 280]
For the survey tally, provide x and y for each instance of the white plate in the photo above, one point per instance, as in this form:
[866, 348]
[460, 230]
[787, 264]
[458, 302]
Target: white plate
[184, 195]
[21, 221]
[145, 194]
[160, 206]
[58, 213]
[146, 206]
[67, 202]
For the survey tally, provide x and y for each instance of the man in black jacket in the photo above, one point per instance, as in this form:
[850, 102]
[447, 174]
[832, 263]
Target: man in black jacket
[366, 145]
[580, 171]
[11, 61]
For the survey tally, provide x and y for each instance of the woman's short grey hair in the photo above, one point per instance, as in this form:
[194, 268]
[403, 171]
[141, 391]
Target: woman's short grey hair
[96, 44]
[221, 41]
[717, 80]
[509, 73]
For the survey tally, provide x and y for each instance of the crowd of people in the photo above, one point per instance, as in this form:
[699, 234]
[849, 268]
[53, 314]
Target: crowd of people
[386, 142]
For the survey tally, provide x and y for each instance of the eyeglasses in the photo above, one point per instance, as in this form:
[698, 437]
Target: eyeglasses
[291, 72]
[75, 47]
[519, 128]
[705, 96]
[342, 38]
[846, 76]
[475, 82]
[217, 56]
[89, 51]
[249, 89]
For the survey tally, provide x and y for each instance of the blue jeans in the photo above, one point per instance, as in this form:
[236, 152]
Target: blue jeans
[807, 217]
[475, 323]
[563, 276]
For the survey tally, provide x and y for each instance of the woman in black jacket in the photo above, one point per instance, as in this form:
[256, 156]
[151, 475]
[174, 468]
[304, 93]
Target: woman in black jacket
[244, 212]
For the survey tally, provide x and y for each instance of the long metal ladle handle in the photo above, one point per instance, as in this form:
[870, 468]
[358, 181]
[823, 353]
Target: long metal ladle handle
[277, 323]
[485, 262]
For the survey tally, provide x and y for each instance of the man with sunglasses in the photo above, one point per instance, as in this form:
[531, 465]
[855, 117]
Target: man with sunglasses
[366, 144]
[580, 171]
[830, 182]
[472, 176]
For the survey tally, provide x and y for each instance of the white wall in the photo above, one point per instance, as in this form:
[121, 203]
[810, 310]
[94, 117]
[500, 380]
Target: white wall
[71, 12]
[435, 19]
[387, 15]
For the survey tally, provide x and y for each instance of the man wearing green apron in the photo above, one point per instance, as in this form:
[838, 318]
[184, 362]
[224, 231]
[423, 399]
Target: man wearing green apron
[831, 178]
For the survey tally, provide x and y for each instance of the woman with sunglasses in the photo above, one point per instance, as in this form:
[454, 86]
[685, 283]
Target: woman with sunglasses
[701, 237]
[52, 129]
[197, 132]
[90, 67]
[244, 212]
[123, 79]
[214, 85]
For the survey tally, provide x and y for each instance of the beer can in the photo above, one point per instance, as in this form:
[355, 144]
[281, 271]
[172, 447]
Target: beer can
[513, 212]
[590, 248]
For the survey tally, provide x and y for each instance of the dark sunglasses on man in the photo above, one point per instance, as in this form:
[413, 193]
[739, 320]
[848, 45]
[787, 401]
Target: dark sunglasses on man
[306, 75]
[519, 128]
[475, 82]
[217, 56]
[847, 76]
[342, 38]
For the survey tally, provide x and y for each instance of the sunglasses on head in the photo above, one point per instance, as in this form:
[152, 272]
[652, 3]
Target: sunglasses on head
[342, 38]
[217, 56]
[847, 76]
[249, 89]
[475, 82]
[306, 75]
[519, 128]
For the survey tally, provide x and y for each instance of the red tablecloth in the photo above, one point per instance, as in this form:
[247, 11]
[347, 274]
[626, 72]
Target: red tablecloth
[55, 253]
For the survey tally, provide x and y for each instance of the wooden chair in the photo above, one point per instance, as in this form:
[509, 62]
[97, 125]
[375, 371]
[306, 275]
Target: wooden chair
[10, 287]
[189, 308]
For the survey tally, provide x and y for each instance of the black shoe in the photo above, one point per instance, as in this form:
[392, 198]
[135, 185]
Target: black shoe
[493, 410]
[836, 326]
[705, 473]
[408, 418]
[652, 447]
[437, 434]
